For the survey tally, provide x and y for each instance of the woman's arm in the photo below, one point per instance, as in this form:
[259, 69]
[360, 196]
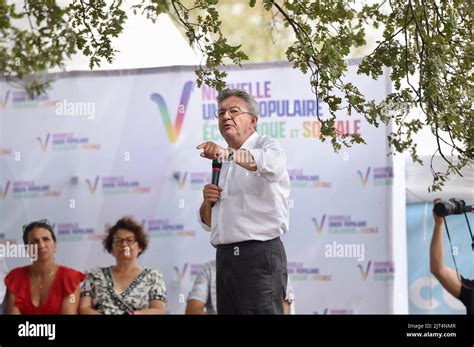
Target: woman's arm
[71, 303]
[155, 307]
[85, 307]
[447, 276]
[11, 307]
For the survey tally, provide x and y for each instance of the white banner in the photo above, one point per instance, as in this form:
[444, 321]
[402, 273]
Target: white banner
[103, 145]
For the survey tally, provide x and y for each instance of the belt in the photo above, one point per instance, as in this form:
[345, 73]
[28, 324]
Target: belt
[243, 243]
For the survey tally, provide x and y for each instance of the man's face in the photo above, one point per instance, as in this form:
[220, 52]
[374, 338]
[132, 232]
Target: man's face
[233, 127]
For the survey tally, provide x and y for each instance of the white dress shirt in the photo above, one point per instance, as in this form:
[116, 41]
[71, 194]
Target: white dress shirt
[253, 204]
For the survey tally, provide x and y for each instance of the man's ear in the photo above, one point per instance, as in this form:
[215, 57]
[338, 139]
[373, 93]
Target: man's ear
[254, 122]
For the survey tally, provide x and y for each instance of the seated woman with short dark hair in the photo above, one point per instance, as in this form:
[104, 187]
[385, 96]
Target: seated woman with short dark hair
[43, 287]
[124, 288]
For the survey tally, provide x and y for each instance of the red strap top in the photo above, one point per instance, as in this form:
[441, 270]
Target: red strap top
[64, 283]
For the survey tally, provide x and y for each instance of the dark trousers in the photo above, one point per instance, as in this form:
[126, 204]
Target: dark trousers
[251, 277]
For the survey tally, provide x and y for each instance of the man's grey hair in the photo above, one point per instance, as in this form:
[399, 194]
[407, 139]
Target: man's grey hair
[250, 101]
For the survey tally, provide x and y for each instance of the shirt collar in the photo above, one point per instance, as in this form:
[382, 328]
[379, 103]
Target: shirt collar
[251, 141]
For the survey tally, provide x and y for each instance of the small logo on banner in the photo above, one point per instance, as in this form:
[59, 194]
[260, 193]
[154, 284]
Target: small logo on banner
[344, 224]
[365, 273]
[21, 99]
[5, 100]
[180, 274]
[383, 176]
[173, 132]
[4, 191]
[299, 272]
[364, 179]
[167, 228]
[33, 190]
[300, 179]
[384, 270]
[93, 187]
[73, 231]
[181, 180]
[66, 141]
[44, 145]
[319, 226]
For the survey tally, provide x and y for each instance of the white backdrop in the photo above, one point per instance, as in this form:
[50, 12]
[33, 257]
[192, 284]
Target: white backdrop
[101, 145]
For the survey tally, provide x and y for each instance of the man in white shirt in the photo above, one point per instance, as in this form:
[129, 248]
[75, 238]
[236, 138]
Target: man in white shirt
[248, 212]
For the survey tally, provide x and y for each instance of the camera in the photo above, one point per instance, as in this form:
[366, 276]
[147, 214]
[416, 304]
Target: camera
[452, 206]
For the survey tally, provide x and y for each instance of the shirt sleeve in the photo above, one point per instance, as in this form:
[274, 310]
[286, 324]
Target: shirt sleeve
[15, 282]
[290, 295]
[270, 159]
[203, 225]
[88, 287]
[200, 290]
[466, 292]
[158, 288]
[71, 281]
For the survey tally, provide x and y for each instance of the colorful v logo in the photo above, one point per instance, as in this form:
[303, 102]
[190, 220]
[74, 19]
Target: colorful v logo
[180, 274]
[4, 192]
[181, 180]
[319, 227]
[44, 145]
[173, 133]
[365, 274]
[5, 100]
[93, 187]
[365, 179]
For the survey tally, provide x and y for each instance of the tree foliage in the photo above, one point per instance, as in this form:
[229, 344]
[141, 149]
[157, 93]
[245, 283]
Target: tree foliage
[426, 44]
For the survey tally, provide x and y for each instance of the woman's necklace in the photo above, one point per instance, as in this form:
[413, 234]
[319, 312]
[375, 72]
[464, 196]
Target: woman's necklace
[42, 281]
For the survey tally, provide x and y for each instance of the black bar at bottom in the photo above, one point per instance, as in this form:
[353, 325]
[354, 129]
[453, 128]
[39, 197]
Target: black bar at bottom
[313, 329]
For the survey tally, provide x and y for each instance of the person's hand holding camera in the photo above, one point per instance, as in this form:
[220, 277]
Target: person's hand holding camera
[437, 219]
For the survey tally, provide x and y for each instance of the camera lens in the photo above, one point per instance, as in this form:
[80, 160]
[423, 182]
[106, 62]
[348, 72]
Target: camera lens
[446, 208]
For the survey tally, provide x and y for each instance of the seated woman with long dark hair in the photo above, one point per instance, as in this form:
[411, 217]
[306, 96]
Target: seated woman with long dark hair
[44, 287]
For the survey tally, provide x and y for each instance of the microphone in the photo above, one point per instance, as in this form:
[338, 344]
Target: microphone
[216, 172]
